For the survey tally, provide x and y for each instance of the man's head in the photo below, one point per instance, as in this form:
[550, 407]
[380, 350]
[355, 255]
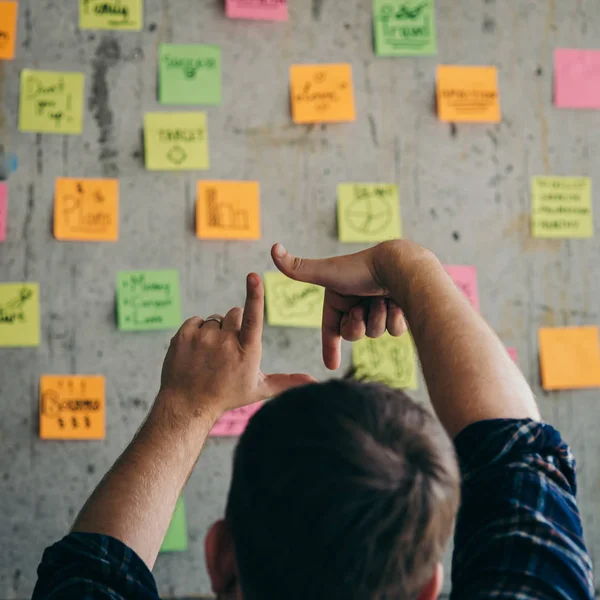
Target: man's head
[340, 490]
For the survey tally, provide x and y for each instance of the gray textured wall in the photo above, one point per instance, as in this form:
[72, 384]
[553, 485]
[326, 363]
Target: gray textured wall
[464, 192]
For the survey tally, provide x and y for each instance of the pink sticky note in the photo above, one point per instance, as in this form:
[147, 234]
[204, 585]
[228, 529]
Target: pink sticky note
[3, 209]
[513, 354]
[577, 78]
[261, 10]
[234, 422]
[465, 279]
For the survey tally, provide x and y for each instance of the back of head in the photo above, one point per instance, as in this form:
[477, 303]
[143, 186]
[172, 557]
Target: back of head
[341, 490]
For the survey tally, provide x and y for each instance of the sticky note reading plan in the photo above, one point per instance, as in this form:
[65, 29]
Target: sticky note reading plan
[465, 278]
[228, 210]
[72, 407]
[322, 93]
[368, 212]
[176, 538]
[234, 422]
[19, 314]
[262, 10]
[468, 94]
[404, 27]
[292, 303]
[389, 360]
[176, 141]
[8, 29]
[3, 209]
[189, 74]
[569, 357]
[148, 300]
[114, 14]
[577, 78]
[86, 209]
[51, 102]
[561, 207]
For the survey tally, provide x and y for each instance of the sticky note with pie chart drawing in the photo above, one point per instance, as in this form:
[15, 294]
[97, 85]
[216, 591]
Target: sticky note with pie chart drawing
[234, 422]
[368, 212]
[8, 29]
[19, 315]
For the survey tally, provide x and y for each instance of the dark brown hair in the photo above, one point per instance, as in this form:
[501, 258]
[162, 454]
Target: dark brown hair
[342, 490]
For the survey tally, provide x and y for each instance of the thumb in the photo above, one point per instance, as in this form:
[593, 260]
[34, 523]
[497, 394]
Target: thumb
[273, 385]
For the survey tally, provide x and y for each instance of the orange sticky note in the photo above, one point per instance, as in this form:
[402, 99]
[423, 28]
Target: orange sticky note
[468, 94]
[8, 29]
[72, 407]
[228, 210]
[322, 93]
[569, 358]
[86, 210]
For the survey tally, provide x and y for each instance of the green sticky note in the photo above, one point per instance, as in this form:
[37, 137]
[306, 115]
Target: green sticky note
[148, 300]
[176, 539]
[19, 314]
[389, 360]
[292, 303]
[189, 74]
[404, 27]
[51, 101]
[561, 207]
[176, 141]
[115, 14]
[368, 212]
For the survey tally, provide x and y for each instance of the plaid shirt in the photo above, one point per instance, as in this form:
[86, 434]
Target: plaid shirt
[518, 533]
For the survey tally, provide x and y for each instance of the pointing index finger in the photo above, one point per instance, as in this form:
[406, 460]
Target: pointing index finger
[252, 321]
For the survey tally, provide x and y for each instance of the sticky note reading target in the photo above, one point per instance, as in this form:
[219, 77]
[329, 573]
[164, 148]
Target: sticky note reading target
[176, 539]
[72, 407]
[19, 314]
[8, 29]
[465, 278]
[234, 422]
[123, 15]
[262, 10]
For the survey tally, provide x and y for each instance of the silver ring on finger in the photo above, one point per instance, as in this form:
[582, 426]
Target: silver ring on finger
[214, 319]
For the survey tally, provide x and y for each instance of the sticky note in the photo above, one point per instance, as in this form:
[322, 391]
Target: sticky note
[389, 360]
[51, 102]
[72, 407]
[3, 209]
[114, 14]
[404, 27]
[262, 10]
[468, 94]
[292, 303]
[512, 352]
[8, 29]
[148, 300]
[576, 78]
[561, 207]
[569, 357]
[322, 93]
[189, 74]
[234, 422]
[86, 209]
[19, 314]
[176, 539]
[465, 278]
[228, 210]
[176, 141]
[368, 212]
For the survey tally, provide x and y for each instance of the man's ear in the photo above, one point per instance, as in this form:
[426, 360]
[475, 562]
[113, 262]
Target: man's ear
[433, 587]
[220, 559]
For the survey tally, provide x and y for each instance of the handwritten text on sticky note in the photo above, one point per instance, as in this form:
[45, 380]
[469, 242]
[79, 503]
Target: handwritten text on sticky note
[465, 278]
[112, 14]
[262, 10]
[176, 539]
[577, 78]
[8, 29]
[233, 423]
[19, 314]
[3, 209]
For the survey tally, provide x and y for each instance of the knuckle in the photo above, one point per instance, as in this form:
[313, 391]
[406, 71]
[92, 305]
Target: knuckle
[297, 264]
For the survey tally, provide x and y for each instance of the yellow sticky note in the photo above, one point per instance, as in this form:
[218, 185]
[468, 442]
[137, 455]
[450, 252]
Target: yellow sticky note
[569, 357]
[176, 141]
[468, 94]
[389, 360]
[8, 29]
[368, 212]
[561, 207]
[19, 314]
[114, 14]
[292, 303]
[228, 210]
[86, 209]
[322, 93]
[72, 407]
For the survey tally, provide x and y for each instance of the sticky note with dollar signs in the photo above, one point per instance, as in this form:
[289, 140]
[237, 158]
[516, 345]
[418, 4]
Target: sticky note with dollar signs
[261, 10]
[368, 212]
[3, 209]
[292, 303]
[72, 407]
[234, 422]
[389, 360]
[465, 278]
[8, 29]
[176, 539]
[126, 15]
[19, 314]
[176, 141]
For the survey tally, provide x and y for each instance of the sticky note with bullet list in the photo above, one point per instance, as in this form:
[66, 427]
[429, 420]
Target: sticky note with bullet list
[465, 278]
[468, 94]
[86, 209]
[8, 29]
[123, 15]
[569, 357]
[72, 407]
[292, 303]
[322, 93]
[148, 300]
[261, 10]
[228, 210]
[368, 212]
[176, 539]
[389, 360]
[577, 78]
[3, 209]
[561, 207]
[176, 141]
[19, 314]
[234, 422]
